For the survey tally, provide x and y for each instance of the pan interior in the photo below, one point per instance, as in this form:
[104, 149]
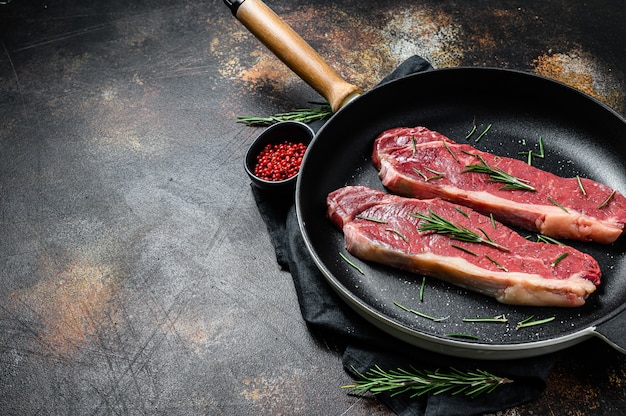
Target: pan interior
[580, 135]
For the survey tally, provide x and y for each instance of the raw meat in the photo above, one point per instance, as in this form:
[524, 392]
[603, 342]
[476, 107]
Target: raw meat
[383, 228]
[421, 163]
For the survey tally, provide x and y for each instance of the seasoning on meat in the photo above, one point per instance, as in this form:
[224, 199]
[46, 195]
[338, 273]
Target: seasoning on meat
[421, 163]
[393, 230]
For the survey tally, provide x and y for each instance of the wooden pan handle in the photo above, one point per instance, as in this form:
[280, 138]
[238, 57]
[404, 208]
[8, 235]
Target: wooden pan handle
[294, 51]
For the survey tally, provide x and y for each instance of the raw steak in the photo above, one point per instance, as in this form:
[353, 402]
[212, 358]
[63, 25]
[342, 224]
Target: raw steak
[383, 228]
[421, 163]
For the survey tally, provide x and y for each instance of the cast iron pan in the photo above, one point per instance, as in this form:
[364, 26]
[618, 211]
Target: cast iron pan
[581, 137]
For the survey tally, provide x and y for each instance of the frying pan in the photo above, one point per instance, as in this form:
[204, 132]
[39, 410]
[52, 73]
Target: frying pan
[581, 136]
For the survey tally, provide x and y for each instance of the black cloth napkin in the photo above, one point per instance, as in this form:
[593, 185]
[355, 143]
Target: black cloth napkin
[365, 346]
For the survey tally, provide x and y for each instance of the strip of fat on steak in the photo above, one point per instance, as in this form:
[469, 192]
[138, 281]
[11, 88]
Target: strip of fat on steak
[379, 227]
[407, 159]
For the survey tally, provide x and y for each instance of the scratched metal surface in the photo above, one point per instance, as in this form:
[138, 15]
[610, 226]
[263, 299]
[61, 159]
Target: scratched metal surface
[136, 276]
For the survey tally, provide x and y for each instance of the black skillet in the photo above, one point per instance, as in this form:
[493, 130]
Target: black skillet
[581, 137]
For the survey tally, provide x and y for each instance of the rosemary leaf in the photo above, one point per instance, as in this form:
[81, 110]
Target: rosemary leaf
[498, 319]
[438, 175]
[398, 233]
[580, 185]
[434, 171]
[559, 259]
[351, 263]
[422, 289]
[498, 265]
[418, 313]
[530, 153]
[606, 202]
[469, 134]
[541, 152]
[445, 144]
[529, 157]
[552, 201]
[465, 214]
[371, 219]
[528, 322]
[419, 172]
[545, 239]
[464, 249]
[480, 136]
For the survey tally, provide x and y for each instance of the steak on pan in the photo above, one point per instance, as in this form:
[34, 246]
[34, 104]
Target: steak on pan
[421, 163]
[392, 230]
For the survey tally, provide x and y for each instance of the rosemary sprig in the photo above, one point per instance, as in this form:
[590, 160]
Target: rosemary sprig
[420, 382]
[440, 225]
[498, 175]
[304, 115]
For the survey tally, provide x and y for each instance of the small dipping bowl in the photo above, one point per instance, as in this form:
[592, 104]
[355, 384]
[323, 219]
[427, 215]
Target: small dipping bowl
[284, 131]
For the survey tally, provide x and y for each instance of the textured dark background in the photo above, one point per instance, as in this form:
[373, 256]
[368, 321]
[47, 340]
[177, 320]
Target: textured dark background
[136, 276]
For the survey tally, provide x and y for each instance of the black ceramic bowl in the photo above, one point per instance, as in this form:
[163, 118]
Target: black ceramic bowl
[291, 131]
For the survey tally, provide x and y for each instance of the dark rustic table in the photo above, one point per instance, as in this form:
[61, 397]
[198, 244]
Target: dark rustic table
[136, 275]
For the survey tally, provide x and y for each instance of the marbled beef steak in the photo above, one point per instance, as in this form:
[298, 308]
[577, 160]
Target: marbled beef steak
[389, 229]
[421, 163]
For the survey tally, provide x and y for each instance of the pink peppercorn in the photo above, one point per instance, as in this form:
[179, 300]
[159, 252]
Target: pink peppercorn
[277, 162]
